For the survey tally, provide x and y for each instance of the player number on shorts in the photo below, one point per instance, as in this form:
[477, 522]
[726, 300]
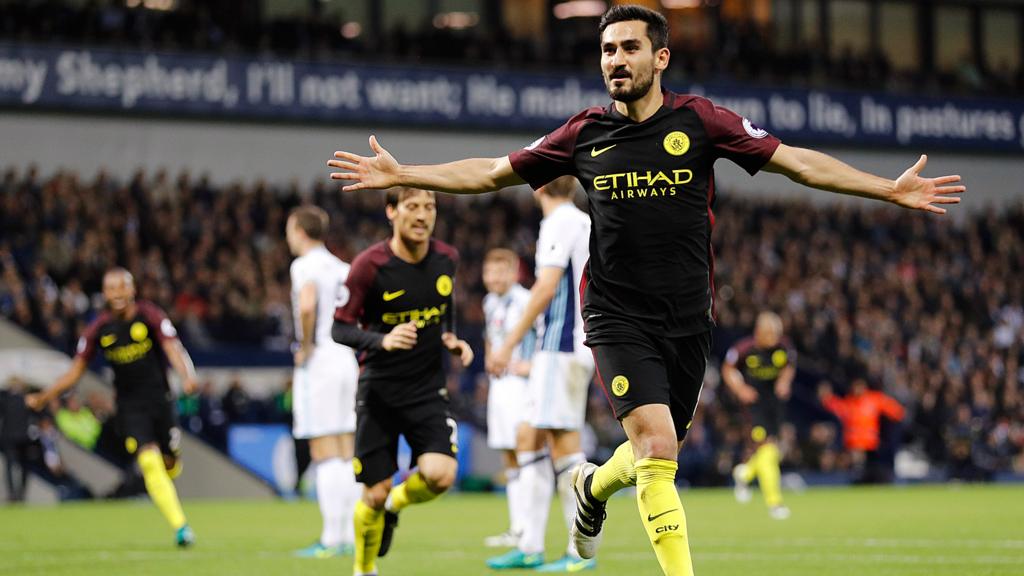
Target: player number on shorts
[455, 431]
[174, 442]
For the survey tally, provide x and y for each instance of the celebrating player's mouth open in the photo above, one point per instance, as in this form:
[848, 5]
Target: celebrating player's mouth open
[648, 292]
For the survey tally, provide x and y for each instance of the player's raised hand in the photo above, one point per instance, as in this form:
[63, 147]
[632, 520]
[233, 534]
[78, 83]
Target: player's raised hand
[377, 172]
[401, 337]
[458, 348]
[913, 191]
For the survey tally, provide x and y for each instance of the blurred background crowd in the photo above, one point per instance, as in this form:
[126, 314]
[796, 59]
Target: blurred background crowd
[928, 311]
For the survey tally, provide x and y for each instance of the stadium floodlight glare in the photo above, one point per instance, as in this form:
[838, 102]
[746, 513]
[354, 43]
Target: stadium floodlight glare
[580, 9]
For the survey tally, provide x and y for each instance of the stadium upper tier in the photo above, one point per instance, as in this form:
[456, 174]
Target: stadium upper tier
[739, 50]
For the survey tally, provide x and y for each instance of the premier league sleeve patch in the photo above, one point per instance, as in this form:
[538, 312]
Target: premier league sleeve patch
[753, 130]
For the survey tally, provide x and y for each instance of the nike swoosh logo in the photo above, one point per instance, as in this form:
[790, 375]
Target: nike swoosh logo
[656, 516]
[594, 152]
[389, 296]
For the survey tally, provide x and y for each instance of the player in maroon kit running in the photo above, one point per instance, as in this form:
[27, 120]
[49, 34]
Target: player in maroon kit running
[398, 310]
[646, 161]
[138, 341]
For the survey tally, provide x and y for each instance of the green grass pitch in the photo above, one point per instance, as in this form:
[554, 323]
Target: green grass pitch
[940, 530]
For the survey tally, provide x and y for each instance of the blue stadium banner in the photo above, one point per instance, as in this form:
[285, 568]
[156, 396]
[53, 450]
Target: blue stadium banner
[206, 85]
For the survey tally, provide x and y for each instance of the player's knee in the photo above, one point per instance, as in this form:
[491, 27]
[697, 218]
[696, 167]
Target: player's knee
[656, 446]
[375, 496]
[439, 478]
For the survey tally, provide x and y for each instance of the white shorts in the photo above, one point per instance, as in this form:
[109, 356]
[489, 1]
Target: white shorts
[324, 393]
[506, 410]
[558, 390]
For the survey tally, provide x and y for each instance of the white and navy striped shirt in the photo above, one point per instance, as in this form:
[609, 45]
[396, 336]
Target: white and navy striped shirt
[563, 243]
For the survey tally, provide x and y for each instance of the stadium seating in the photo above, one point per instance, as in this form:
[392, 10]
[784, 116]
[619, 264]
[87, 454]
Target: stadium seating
[928, 310]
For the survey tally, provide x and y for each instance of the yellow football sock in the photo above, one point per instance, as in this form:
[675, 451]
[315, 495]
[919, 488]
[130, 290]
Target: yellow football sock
[413, 491]
[161, 489]
[768, 474]
[369, 527]
[615, 474]
[662, 514]
[749, 470]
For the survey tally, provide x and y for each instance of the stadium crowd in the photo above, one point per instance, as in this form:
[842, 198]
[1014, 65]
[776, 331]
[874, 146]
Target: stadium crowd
[743, 50]
[929, 310]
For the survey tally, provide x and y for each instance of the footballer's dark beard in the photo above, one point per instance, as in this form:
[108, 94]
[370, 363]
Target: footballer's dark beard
[641, 86]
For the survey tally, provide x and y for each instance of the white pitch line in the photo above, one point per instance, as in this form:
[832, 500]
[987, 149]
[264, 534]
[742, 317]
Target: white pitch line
[866, 542]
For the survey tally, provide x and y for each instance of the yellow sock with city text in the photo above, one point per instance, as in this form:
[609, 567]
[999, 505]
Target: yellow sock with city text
[615, 474]
[161, 488]
[413, 491]
[369, 528]
[662, 514]
[769, 477]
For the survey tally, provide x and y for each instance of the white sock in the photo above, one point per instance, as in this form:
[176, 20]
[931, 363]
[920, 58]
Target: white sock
[330, 495]
[537, 481]
[351, 492]
[566, 494]
[513, 491]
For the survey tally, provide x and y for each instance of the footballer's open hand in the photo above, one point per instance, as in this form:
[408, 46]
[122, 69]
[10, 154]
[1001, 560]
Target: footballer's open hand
[913, 191]
[378, 172]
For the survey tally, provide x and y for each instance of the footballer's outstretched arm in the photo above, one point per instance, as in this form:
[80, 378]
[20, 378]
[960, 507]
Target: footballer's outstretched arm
[824, 172]
[68, 379]
[382, 171]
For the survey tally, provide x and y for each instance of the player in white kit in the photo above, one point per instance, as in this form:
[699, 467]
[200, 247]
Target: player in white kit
[560, 375]
[507, 394]
[324, 382]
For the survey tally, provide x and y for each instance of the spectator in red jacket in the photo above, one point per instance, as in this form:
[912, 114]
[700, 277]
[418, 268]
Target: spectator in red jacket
[861, 413]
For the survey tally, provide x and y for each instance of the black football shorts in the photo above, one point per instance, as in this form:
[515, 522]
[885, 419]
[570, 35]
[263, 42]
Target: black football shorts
[636, 368]
[152, 422]
[765, 416]
[428, 427]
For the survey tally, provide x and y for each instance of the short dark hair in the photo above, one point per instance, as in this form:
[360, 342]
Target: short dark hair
[312, 220]
[657, 26]
[395, 195]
